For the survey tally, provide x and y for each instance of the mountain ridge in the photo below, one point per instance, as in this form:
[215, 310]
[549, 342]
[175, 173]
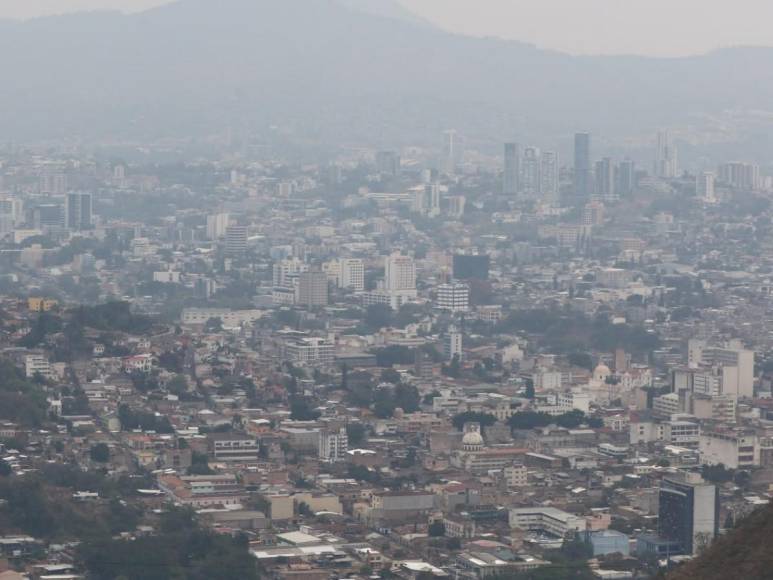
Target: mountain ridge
[188, 68]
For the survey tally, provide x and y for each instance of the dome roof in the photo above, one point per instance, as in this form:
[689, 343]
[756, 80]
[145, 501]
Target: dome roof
[472, 438]
[602, 369]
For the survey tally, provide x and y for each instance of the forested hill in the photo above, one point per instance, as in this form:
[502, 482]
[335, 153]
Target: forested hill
[745, 553]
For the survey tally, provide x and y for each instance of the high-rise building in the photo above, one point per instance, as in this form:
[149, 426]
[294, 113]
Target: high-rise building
[666, 161]
[217, 224]
[551, 186]
[78, 211]
[583, 177]
[388, 163]
[605, 178]
[626, 177]
[399, 273]
[453, 297]
[452, 345]
[456, 205]
[531, 183]
[312, 289]
[452, 151]
[48, 215]
[236, 239]
[333, 445]
[745, 176]
[688, 512]
[427, 201]
[352, 274]
[704, 186]
[471, 266]
[512, 173]
[285, 271]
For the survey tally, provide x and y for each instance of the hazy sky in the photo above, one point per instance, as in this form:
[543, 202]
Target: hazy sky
[657, 27]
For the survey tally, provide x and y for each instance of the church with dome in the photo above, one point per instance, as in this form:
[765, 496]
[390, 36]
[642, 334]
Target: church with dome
[477, 457]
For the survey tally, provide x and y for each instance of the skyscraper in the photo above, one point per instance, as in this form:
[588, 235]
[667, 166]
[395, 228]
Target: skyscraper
[705, 186]
[313, 289]
[532, 172]
[551, 187]
[512, 172]
[626, 177]
[236, 239]
[388, 163]
[605, 178]
[78, 210]
[688, 512]
[352, 274]
[217, 225]
[666, 162]
[583, 177]
[399, 273]
[452, 151]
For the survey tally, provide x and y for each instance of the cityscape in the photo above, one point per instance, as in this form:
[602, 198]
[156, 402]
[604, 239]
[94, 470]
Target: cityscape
[444, 355]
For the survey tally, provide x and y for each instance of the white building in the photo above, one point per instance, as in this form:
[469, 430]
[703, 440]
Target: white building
[37, 364]
[452, 346]
[399, 273]
[333, 445]
[352, 274]
[217, 224]
[453, 297]
[733, 449]
[547, 520]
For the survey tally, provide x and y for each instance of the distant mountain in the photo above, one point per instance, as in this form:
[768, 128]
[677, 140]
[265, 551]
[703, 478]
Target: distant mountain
[323, 71]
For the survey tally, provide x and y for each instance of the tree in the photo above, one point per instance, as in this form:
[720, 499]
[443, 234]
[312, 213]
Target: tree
[437, 529]
[390, 376]
[301, 410]
[530, 389]
[100, 453]
[484, 419]
[407, 398]
[214, 324]
[378, 316]
[5, 469]
[356, 433]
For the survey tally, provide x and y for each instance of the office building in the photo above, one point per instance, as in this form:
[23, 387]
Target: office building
[388, 163]
[688, 512]
[78, 211]
[312, 289]
[452, 152]
[512, 171]
[547, 520]
[583, 177]
[456, 205]
[48, 215]
[666, 162]
[236, 239]
[471, 266]
[399, 273]
[626, 177]
[605, 178]
[550, 186]
[531, 180]
[217, 225]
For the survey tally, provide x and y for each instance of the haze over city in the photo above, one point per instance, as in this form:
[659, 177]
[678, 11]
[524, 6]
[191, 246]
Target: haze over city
[386, 289]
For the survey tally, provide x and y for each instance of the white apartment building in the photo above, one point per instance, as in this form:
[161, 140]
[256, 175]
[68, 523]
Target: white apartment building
[35, 364]
[333, 445]
[309, 351]
[733, 449]
[453, 297]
